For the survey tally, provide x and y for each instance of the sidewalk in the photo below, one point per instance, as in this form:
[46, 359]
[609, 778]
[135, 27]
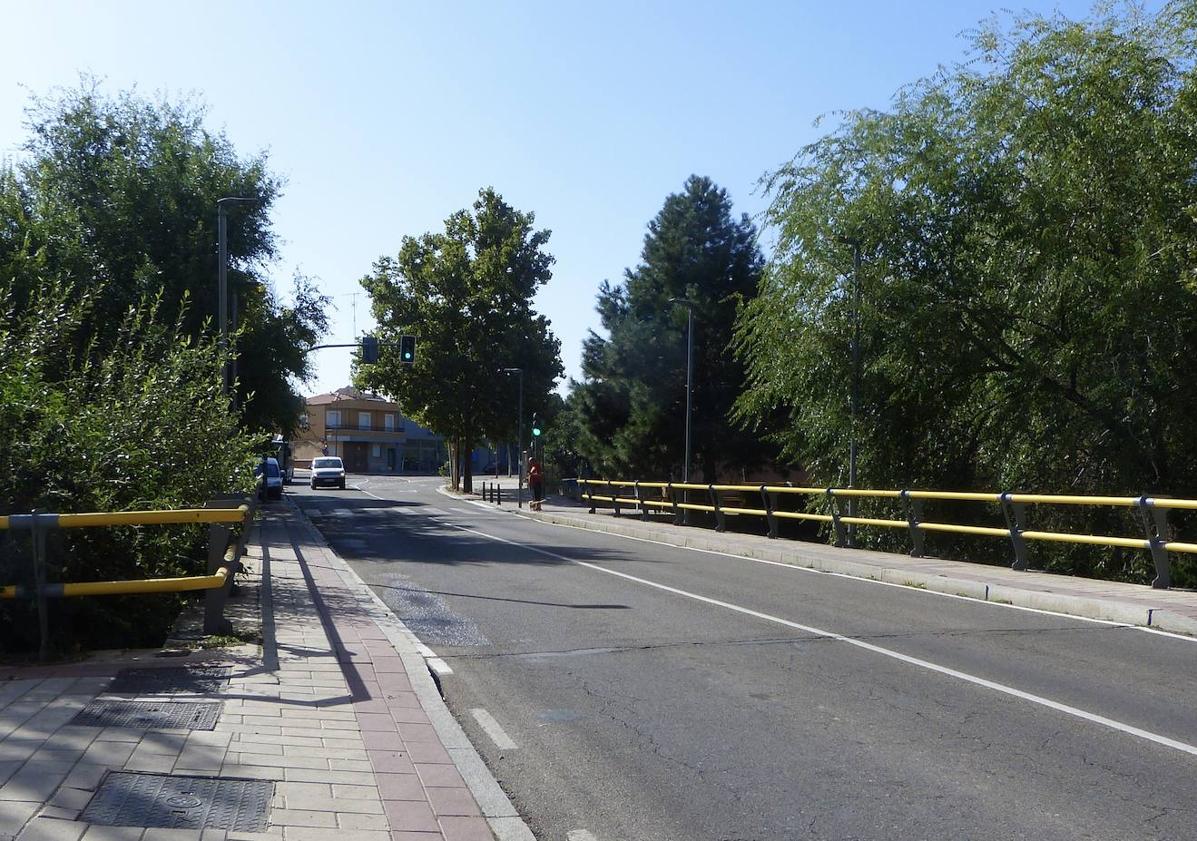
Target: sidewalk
[1133, 604]
[333, 728]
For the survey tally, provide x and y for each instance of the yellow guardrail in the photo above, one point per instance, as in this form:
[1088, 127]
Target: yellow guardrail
[223, 557]
[731, 500]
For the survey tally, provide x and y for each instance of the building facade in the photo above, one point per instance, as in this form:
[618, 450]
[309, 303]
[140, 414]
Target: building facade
[368, 432]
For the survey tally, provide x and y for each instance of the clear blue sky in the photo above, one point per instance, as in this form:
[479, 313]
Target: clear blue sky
[385, 117]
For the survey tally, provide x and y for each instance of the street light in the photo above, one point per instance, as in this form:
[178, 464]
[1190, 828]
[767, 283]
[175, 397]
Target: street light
[250, 282]
[519, 434]
[222, 270]
[689, 305]
[855, 398]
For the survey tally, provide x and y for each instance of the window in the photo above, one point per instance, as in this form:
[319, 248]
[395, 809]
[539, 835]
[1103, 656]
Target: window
[388, 421]
[363, 420]
[333, 419]
[377, 451]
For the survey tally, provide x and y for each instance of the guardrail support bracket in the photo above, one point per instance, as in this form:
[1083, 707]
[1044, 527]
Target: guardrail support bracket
[1016, 522]
[720, 520]
[914, 515]
[770, 504]
[1155, 528]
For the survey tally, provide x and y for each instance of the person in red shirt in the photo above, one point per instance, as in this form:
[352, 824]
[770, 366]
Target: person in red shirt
[535, 483]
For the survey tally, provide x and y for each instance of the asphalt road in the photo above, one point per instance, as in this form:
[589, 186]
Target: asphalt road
[648, 693]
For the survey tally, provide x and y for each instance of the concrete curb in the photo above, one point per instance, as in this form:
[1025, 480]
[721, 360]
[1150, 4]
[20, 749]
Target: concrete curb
[1106, 609]
[505, 822]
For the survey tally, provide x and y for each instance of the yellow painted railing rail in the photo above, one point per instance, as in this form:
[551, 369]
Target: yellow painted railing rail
[734, 500]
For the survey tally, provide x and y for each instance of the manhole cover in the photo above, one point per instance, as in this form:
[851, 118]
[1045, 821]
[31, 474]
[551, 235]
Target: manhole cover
[161, 800]
[149, 714]
[170, 679]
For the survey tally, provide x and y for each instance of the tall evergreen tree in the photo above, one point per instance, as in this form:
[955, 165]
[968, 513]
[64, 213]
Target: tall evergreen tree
[630, 406]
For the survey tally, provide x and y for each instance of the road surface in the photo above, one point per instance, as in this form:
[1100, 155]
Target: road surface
[623, 690]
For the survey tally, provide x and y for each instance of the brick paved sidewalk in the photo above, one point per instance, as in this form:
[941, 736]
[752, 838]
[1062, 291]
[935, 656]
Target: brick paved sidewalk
[336, 711]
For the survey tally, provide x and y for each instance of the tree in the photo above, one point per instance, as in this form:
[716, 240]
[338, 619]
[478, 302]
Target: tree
[632, 400]
[120, 193]
[466, 294]
[1028, 228]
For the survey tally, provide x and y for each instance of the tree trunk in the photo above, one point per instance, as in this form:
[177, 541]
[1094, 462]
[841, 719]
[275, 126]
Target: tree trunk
[468, 467]
[454, 471]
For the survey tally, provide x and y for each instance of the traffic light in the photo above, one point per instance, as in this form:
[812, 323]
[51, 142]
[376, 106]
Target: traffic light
[369, 349]
[535, 426]
[407, 349]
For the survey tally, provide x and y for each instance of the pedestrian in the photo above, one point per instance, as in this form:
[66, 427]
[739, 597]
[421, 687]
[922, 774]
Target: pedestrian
[323, 448]
[535, 483]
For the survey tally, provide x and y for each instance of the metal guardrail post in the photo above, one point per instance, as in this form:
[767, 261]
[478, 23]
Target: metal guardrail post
[1016, 522]
[770, 504]
[38, 529]
[914, 514]
[590, 495]
[614, 497]
[218, 544]
[640, 501]
[678, 519]
[842, 537]
[720, 521]
[498, 494]
[1155, 526]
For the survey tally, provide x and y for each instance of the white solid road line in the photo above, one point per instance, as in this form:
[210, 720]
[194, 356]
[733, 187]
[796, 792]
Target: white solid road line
[579, 835]
[844, 575]
[497, 734]
[1076, 712]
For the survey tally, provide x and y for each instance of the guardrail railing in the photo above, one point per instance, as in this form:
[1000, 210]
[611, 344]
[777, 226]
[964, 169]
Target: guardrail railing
[725, 500]
[224, 556]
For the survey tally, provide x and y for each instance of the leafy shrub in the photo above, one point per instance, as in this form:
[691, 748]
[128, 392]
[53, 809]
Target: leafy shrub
[139, 424]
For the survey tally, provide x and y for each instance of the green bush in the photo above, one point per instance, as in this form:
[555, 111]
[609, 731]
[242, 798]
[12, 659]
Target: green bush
[140, 423]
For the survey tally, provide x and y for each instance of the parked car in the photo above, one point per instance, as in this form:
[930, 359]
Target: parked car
[272, 486]
[328, 470]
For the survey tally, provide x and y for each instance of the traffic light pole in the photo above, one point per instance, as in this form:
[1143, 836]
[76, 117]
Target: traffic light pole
[520, 434]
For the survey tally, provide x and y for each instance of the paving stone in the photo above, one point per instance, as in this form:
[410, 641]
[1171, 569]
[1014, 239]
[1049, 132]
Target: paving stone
[14, 815]
[307, 833]
[150, 762]
[466, 829]
[428, 752]
[439, 775]
[400, 787]
[86, 776]
[322, 790]
[418, 733]
[35, 781]
[452, 801]
[410, 815]
[350, 792]
[354, 820]
[302, 817]
[113, 833]
[313, 775]
[51, 829]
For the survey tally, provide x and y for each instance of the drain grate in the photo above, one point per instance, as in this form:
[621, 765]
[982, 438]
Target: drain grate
[149, 714]
[162, 800]
[170, 679]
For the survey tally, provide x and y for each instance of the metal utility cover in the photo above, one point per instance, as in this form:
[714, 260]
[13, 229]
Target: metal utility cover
[176, 802]
[149, 714]
[166, 680]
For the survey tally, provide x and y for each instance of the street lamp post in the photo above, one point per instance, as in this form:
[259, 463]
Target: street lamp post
[855, 399]
[222, 275]
[689, 305]
[519, 434]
